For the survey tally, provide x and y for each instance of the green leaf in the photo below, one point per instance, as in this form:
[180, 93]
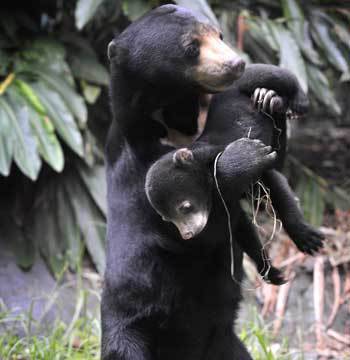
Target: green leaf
[342, 33]
[199, 6]
[85, 10]
[290, 56]
[312, 200]
[48, 145]
[25, 148]
[5, 60]
[86, 67]
[68, 227]
[90, 220]
[42, 127]
[90, 92]
[299, 27]
[321, 31]
[6, 142]
[61, 117]
[28, 93]
[46, 231]
[72, 99]
[321, 89]
[23, 247]
[95, 181]
[262, 32]
[43, 53]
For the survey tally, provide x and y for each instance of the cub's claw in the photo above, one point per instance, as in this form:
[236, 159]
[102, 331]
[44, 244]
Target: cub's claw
[267, 101]
[266, 106]
[274, 276]
[308, 239]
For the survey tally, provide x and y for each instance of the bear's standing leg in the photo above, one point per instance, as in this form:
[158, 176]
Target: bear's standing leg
[239, 350]
[123, 338]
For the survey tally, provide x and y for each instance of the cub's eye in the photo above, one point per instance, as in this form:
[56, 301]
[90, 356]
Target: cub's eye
[185, 208]
[221, 36]
[192, 50]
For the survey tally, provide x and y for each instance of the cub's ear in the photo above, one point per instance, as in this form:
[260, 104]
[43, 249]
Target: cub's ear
[183, 156]
[116, 52]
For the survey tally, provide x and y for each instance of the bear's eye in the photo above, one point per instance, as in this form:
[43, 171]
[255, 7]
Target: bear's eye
[185, 208]
[192, 50]
[221, 36]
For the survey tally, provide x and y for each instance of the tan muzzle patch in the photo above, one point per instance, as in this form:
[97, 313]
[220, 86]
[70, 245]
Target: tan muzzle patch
[219, 65]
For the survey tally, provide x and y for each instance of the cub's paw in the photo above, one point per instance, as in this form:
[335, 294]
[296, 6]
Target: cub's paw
[307, 239]
[244, 160]
[268, 101]
[252, 154]
[274, 276]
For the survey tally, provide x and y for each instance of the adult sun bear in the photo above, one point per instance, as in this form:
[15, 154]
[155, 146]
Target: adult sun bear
[165, 298]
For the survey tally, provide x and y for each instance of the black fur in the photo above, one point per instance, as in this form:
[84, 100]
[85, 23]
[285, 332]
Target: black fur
[232, 116]
[162, 298]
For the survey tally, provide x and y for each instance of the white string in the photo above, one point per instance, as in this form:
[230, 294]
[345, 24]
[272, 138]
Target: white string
[227, 214]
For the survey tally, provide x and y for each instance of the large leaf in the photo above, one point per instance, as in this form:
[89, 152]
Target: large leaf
[320, 88]
[343, 33]
[290, 56]
[86, 66]
[5, 61]
[200, 7]
[48, 145]
[68, 227]
[72, 99]
[23, 247]
[25, 148]
[6, 142]
[90, 220]
[84, 11]
[46, 231]
[321, 32]
[262, 32]
[94, 179]
[300, 28]
[61, 117]
[47, 142]
[136, 8]
[312, 200]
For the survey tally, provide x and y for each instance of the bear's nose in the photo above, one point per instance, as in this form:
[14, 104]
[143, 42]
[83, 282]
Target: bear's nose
[188, 235]
[235, 67]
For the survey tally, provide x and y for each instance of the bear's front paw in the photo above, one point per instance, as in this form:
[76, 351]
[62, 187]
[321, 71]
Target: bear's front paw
[267, 101]
[307, 239]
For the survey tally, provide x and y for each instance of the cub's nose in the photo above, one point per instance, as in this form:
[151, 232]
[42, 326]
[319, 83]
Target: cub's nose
[235, 67]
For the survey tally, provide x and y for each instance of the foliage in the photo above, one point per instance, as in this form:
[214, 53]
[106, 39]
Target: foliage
[257, 336]
[52, 72]
[48, 76]
[80, 340]
[311, 39]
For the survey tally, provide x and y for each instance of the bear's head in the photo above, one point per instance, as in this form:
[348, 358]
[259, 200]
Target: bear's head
[172, 45]
[179, 188]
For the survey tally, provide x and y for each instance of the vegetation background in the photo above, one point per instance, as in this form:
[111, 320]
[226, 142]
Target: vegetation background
[54, 114]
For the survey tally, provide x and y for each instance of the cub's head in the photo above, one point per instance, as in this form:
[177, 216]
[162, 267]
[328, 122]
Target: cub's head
[179, 189]
[173, 45]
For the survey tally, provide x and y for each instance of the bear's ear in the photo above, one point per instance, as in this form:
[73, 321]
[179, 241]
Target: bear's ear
[116, 53]
[183, 156]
